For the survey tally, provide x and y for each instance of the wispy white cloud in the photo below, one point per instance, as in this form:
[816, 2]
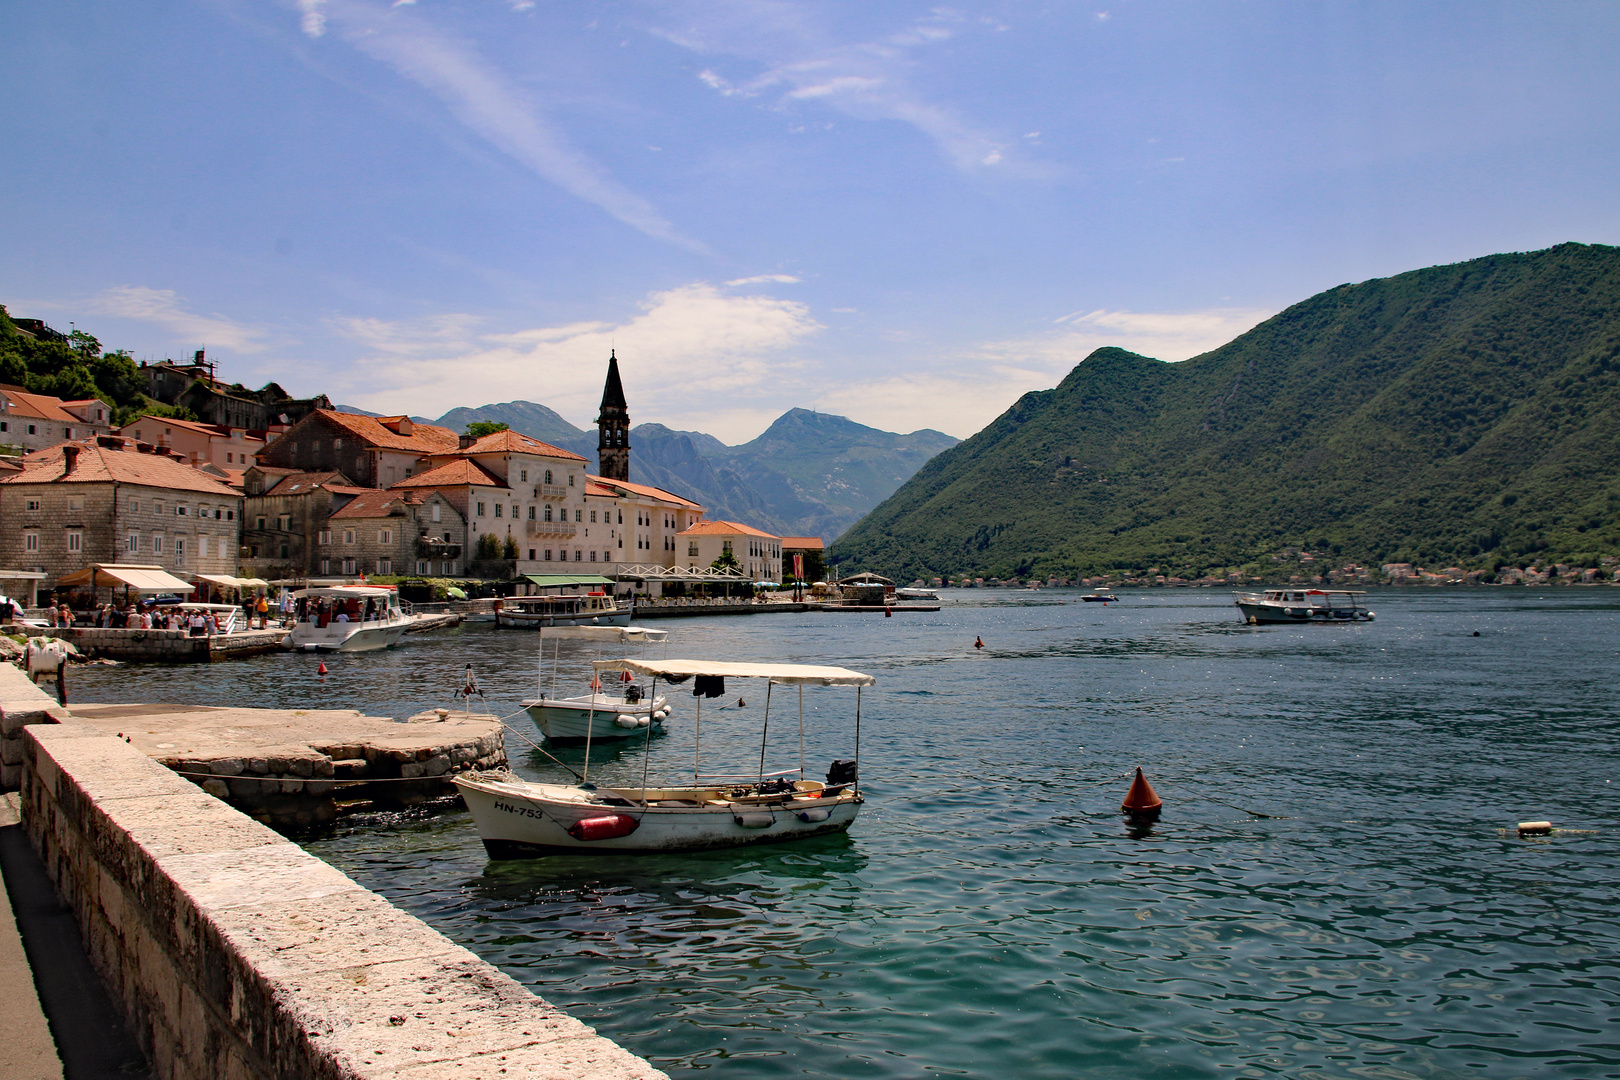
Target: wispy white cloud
[763, 279]
[484, 100]
[800, 62]
[968, 390]
[166, 308]
[692, 357]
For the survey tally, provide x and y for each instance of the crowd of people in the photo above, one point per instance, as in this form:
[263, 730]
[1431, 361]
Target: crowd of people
[198, 621]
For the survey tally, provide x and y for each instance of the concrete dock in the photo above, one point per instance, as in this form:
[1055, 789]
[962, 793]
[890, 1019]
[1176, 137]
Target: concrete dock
[300, 768]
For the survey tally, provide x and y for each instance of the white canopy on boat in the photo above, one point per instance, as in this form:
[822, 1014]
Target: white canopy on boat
[356, 592]
[635, 635]
[786, 674]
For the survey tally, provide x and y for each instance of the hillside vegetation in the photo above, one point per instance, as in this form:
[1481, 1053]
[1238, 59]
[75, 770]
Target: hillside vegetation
[1465, 414]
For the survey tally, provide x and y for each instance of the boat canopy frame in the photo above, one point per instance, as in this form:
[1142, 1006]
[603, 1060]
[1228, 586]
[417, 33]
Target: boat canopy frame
[783, 674]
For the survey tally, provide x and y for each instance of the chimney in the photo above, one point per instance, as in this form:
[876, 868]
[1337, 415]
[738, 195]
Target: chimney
[70, 458]
[465, 441]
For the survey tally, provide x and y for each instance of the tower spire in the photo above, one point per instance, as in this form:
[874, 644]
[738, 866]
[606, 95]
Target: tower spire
[613, 426]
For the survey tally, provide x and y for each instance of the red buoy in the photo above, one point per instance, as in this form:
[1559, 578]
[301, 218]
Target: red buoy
[978, 643]
[608, 827]
[322, 669]
[1142, 801]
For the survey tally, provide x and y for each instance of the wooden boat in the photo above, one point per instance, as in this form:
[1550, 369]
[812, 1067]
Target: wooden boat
[518, 818]
[1304, 605]
[347, 618]
[614, 708]
[564, 609]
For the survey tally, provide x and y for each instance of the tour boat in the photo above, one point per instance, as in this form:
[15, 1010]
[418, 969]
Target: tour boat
[566, 609]
[347, 618]
[518, 818]
[1304, 605]
[616, 707]
[915, 594]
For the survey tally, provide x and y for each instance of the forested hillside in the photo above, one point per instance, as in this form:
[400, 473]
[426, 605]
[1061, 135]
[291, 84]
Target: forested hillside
[1465, 414]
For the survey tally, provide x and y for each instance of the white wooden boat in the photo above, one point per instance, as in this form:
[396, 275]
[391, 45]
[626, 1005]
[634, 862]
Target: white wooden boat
[347, 618]
[1304, 605]
[562, 609]
[613, 709]
[519, 819]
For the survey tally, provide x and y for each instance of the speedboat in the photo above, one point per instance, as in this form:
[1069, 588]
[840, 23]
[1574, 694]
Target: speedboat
[616, 708]
[347, 618]
[517, 818]
[562, 609]
[1099, 596]
[915, 594]
[1304, 605]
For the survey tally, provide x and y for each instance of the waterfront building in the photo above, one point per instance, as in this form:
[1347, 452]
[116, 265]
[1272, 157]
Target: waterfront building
[110, 499]
[230, 450]
[813, 552]
[758, 553]
[374, 452]
[30, 421]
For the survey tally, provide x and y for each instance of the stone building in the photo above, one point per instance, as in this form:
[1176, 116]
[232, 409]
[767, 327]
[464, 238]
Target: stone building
[230, 450]
[283, 512]
[112, 500]
[758, 554]
[373, 452]
[197, 387]
[34, 421]
[392, 532]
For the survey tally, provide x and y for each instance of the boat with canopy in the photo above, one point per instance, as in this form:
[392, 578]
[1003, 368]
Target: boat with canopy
[347, 618]
[518, 818]
[616, 707]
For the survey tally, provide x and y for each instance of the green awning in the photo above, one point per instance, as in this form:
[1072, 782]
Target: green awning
[555, 580]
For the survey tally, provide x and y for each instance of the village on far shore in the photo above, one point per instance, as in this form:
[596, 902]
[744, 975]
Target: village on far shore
[268, 488]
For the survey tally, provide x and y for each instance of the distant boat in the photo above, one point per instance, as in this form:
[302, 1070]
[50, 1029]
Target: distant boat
[1099, 596]
[1304, 605]
[915, 594]
[568, 609]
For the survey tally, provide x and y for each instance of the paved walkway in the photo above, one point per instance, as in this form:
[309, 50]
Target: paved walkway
[44, 973]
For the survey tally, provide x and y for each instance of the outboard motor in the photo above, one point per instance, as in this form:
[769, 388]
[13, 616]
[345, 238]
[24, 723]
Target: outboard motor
[632, 694]
[841, 772]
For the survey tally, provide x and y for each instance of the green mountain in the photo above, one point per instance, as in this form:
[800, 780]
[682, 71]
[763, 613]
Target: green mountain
[1465, 414]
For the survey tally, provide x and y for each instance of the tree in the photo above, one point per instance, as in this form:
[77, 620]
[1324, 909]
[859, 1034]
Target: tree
[479, 428]
[726, 561]
[510, 549]
[488, 546]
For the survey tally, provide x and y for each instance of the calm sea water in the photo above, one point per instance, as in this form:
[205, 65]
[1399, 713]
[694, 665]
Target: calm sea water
[1330, 892]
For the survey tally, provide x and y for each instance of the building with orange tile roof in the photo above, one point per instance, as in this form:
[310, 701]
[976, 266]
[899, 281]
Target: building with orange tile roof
[758, 553]
[110, 499]
[32, 421]
[372, 451]
[202, 444]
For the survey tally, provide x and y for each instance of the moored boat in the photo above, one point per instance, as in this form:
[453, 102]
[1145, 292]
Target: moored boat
[615, 708]
[1304, 605]
[565, 609]
[347, 618]
[518, 818]
[1100, 596]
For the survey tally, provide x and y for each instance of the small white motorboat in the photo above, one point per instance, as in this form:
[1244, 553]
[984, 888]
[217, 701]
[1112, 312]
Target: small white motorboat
[347, 618]
[1304, 605]
[517, 818]
[616, 707]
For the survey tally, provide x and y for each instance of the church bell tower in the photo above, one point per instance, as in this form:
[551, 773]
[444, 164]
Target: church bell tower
[613, 427]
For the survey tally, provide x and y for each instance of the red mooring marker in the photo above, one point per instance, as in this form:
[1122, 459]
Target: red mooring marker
[1141, 803]
[322, 671]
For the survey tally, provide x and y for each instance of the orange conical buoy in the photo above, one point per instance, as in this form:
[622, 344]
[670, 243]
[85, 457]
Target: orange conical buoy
[322, 669]
[1141, 801]
[978, 643]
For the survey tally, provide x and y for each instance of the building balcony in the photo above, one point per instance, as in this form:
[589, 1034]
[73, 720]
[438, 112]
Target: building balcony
[437, 549]
[551, 528]
[554, 492]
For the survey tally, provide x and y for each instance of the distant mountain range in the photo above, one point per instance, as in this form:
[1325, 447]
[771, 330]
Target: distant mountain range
[1465, 414]
[809, 474]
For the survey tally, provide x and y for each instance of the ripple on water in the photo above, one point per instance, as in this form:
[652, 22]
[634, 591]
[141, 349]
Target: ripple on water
[1329, 894]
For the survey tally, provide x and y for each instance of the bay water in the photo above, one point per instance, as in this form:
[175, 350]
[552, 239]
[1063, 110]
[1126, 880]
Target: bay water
[1335, 888]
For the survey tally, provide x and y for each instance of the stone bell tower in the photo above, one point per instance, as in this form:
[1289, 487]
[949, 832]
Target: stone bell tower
[613, 427]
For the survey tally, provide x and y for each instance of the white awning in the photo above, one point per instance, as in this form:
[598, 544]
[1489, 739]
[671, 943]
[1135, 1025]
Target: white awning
[632, 634]
[786, 674]
[235, 582]
[146, 579]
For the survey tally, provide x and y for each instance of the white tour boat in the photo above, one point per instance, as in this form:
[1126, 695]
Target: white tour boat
[518, 818]
[347, 618]
[562, 609]
[614, 709]
[1304, 605]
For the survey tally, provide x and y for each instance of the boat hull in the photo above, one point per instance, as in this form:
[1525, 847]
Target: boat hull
[347, 637]
[528, 620]
[521, 820]
[564, 720]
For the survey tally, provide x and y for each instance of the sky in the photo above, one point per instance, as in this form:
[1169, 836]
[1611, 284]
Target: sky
[908, 214]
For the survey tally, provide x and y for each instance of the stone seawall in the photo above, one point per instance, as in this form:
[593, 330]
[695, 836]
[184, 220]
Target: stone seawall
[235, 954]
[167, 646]
[21, 703]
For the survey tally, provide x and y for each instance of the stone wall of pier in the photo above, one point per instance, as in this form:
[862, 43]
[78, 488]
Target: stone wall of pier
[236, 954]
[21, 703]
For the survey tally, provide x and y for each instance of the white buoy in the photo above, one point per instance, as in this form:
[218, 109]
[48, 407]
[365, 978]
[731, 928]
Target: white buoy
[625, 720]
[1535, 828]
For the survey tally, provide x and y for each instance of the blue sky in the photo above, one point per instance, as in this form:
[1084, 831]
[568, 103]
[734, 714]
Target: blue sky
[908, 214]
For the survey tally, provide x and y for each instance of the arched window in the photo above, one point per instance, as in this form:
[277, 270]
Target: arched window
[548, 511]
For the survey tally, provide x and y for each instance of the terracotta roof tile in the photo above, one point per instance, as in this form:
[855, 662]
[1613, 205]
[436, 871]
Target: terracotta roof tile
[645, 490]
[189, 425]
[295, 482]
[453, 473]
[725, 528]
[374, 503]
[803, 543]
[38, 406]
[98, 463]
[512, 442]
[423, 439]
